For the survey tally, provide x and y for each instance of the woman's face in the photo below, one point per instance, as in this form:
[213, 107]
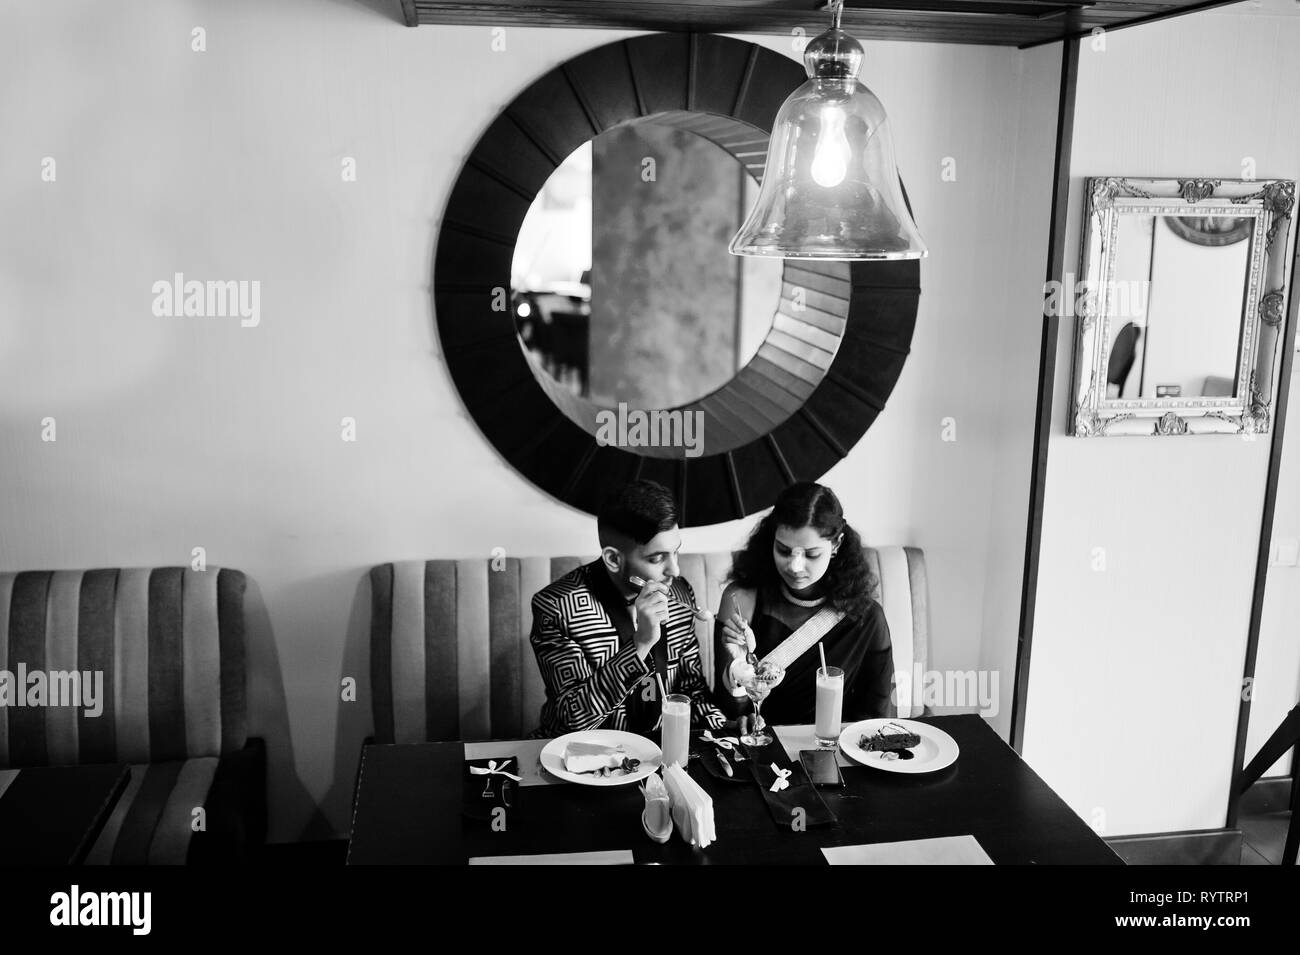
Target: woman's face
[802, 556]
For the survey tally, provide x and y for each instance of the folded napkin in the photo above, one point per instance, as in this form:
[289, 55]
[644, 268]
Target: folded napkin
[489, 784]
[529, 752]
[692, 809]
[790, 798]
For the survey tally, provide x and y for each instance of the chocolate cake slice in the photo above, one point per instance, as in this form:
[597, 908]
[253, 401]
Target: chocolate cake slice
[890, 738]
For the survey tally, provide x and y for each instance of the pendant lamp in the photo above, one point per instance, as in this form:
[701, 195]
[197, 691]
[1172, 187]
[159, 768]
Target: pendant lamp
[830, 187]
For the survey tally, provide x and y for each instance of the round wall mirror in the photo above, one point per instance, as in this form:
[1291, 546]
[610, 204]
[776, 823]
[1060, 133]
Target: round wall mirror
[592, 319]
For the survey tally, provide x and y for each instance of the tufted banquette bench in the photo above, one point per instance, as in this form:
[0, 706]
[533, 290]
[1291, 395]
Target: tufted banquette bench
[450, 657]
[170, 644]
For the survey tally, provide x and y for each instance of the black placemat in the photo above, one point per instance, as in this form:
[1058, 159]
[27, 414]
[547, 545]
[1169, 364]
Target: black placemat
[800, 794]
[485, 792]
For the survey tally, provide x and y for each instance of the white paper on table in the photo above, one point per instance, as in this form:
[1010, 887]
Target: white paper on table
[947, 850]
[611, 857]
[795, 739]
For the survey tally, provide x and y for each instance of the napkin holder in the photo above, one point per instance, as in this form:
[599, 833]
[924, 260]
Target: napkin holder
[692, 808]
[656, 818]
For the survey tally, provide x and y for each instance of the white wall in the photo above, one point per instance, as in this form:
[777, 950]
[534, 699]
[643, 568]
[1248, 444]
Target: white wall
[1136, 669]
[175, 433]
[1009, 435]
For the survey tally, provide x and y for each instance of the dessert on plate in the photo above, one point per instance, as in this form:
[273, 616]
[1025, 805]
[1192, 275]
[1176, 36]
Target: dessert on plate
[892, 740]
[598, 760]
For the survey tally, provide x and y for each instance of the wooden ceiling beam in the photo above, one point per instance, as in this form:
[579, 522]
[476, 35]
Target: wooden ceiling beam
[1021, 23]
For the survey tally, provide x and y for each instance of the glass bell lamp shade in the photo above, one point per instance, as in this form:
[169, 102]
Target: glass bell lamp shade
[830, 187]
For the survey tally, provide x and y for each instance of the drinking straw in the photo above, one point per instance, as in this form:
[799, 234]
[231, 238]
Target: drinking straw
[663, 692]
[822, 650]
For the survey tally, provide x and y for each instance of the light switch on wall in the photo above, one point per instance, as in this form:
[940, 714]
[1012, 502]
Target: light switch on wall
[1286, 552]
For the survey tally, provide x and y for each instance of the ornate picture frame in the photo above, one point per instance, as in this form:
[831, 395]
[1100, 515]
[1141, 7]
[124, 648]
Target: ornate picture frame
[1269, 204]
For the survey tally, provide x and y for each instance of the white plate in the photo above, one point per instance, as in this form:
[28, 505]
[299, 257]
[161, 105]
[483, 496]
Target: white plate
[637, 747]
[935, 751]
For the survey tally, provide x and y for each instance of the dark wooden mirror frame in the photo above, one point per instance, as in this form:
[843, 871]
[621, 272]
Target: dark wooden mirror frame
[728, 91]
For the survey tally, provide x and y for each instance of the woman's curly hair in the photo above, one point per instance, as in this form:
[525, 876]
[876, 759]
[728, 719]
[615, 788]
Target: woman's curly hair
[848, 582]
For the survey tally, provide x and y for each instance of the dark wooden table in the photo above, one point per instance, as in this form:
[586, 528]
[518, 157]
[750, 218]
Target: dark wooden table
[409, 812]
[52, 815]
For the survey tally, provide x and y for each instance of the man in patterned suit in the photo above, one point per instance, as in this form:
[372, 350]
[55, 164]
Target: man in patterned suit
[600, 640]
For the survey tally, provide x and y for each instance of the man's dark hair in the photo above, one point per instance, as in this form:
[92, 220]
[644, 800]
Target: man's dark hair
[636, 512]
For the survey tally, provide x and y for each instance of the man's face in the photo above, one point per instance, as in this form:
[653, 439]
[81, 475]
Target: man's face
[656, 559]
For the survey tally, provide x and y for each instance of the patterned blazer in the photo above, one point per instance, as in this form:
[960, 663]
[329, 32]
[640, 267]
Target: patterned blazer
[583, 638]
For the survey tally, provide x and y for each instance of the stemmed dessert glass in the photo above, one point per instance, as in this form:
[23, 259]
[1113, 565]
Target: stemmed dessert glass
[759, 680]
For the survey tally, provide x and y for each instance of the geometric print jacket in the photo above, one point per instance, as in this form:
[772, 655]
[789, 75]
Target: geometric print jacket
[583, 638]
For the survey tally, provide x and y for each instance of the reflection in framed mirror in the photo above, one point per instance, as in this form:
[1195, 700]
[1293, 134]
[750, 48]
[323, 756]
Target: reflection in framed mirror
[1179, 305]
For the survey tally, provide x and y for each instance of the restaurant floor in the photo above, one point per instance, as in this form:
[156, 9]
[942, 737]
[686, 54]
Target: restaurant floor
[1264, 818]
[1264, 837]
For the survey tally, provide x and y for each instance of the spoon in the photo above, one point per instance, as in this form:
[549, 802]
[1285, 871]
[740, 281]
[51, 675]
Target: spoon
[696, 609]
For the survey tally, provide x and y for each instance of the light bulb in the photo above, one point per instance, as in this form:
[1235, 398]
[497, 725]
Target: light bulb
[831, 160]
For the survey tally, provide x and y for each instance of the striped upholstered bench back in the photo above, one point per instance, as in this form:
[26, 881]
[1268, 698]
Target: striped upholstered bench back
[449, 651]
[168, 641]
